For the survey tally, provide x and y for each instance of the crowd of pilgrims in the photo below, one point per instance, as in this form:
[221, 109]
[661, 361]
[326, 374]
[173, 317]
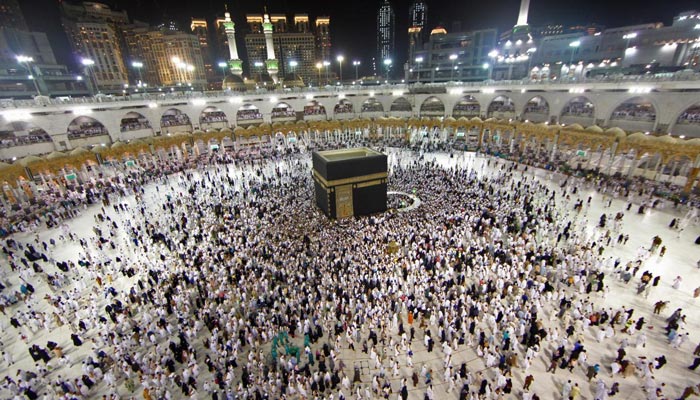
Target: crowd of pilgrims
[226, 282]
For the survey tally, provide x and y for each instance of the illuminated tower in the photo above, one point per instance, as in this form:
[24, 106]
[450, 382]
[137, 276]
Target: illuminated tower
[418, 17]
[234, 63]
[385, 32]
[522, 16]
[271, 62]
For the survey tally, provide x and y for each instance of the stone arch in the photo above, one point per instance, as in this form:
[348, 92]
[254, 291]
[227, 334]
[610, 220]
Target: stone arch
[173, 120]
[19, 139]
[133, 121]
[213, 118]
[688, 121]
[468, 107]
[634, 114]
[635, 109]
[578, 110]
[343, 106]
[283, 112]
[313, 108]
[83, 127]
[401, 104]
[501, 107]
[432, 107]
[536, 109]
[372, 105]
[248, 114]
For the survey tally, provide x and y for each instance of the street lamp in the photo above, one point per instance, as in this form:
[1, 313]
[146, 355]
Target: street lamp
[356, 64]
[487, 66]
[628, 37]
[387, 64]
[453, 58]
[190, 75]
[529, 52]
[88, 63]
[493, 54]
[26, 60]
[327, 64]
[419, 61]
[293, 65]
[318, 67]
[340, 66]
[178, 67]
[223, 65]
[138, 65]
[574, 47]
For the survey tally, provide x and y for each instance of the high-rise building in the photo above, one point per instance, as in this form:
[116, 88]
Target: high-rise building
[386, 28]
[14, 42]
[323, 38]
[301, 23]
[92, 11]
[415, 42]
[169, 58]
[200, 28]
[295, 49]
[11, 16]
[27, 62]
[457, 56]
[96, 32]
[418, 16]
[221, 38]
[99, 43]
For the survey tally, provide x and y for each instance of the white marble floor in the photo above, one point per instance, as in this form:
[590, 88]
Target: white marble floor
[680, 260]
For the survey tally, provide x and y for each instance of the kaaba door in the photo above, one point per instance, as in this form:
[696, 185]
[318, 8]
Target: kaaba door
[343, 201]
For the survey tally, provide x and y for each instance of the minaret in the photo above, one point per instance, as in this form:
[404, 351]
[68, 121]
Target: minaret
[522, 16]
[234, 63]
[271, 62]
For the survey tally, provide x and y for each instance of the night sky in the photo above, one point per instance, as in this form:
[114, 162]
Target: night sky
[353, 22]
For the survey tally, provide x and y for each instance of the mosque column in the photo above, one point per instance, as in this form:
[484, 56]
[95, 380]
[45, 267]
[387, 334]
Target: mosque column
[553, 153]
[234, 63]
[692, 175]
[613, 150]
[634, 164]
[271, 63]
[657, 167]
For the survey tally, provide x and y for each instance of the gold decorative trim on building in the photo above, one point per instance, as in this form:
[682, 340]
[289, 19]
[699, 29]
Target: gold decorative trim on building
[346, 181]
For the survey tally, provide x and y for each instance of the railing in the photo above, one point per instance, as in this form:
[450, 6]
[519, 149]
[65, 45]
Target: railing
[40, 101]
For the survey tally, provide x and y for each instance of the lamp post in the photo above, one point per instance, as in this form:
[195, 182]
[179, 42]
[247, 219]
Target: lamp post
[487, 66]
[628, 37]
[453, 58]
[529, 52]
[190, 73]
[26, 60]
[327, 64]
[318, 67]
[223, 65]
[419, 65]
[356, 64]
[574, 47]
[138, 65]
[88, 63]
[387, 64]
[340, 67]
[493, 54]
[293, 65]
[178, 68]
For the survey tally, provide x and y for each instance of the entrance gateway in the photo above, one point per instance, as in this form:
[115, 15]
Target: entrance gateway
[350, 182]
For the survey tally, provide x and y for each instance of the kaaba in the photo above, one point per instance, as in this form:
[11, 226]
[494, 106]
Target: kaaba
[350, 182]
